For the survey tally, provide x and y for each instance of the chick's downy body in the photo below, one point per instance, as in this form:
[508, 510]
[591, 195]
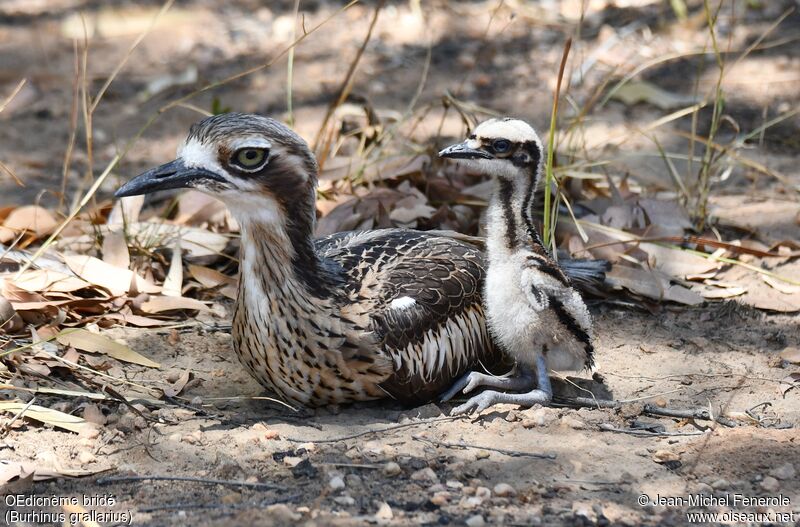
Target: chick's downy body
[534, 313]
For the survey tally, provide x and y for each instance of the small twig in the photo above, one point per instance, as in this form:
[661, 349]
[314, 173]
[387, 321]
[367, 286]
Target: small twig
[115, 395]
[607, 427]
[591, 482]
[378, 431]
[750, 411]
[353, 465]
[7, 169]
[231, 483]
[7, 426]
[13, 94]
[461, 444]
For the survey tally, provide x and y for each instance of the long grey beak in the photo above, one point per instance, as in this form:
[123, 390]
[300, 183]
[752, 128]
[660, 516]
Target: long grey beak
[463, 151]
[170, 175]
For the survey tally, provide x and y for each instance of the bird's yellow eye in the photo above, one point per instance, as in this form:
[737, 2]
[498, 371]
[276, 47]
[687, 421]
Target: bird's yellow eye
[249, 158]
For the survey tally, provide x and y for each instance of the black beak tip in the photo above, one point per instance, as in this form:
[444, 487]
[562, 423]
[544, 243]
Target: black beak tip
[462, 151]
[123, 192]
[450, 151]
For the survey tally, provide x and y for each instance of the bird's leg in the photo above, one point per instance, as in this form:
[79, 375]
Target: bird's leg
[542, 394]
[520, 379]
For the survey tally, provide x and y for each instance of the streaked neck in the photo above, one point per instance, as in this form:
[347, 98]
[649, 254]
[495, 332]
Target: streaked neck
[510, 215]
[279, 245]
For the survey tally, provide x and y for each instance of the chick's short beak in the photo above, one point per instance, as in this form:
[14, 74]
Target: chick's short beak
[464, 151]
[168, 176]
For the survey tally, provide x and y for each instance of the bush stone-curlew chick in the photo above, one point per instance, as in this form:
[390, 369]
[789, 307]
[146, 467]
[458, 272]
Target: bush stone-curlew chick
[533, 312]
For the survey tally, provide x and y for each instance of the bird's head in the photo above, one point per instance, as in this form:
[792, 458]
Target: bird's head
[504, 148]
[254, 164]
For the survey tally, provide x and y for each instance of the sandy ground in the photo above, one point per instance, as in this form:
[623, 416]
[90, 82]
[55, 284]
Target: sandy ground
[722, 359]
[298, 468]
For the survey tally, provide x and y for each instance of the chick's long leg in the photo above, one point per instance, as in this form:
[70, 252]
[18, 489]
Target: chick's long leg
[542, 394]
[522, 378]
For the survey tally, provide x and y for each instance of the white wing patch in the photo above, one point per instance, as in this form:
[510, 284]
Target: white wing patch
[404, 302]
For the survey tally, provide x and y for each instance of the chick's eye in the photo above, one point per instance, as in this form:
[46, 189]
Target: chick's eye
[249, 157]
[501, 146]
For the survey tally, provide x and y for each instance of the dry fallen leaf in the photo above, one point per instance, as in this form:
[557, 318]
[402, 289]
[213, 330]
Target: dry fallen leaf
[211, 278]
[651, 284]
[159, 304]
[177, 387]
[196, 208]
[784, 287]
[13, 471]
[126, 210]
[93, 343]
[137, 320]
[45, 280]
[791, 354]
[173, 283]
[677, 263]
[195, 242]
[46, 415]
[31, 218]
[714, 289]
[115, 250]
[761, 295]
[10, 321]
[117, 281]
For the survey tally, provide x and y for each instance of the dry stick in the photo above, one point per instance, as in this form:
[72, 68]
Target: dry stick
[461, 444]
[378, 431]
[690, 413]
[347, 82]
[606, 427]
[190, 479]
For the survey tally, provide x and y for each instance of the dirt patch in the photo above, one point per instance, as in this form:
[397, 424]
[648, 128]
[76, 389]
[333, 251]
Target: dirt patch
[673, 359]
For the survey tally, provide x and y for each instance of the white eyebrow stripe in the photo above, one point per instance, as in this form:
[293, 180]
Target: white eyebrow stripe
[250, 142]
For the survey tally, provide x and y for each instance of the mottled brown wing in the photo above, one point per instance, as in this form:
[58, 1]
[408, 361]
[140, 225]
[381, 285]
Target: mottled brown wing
[425, 293]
